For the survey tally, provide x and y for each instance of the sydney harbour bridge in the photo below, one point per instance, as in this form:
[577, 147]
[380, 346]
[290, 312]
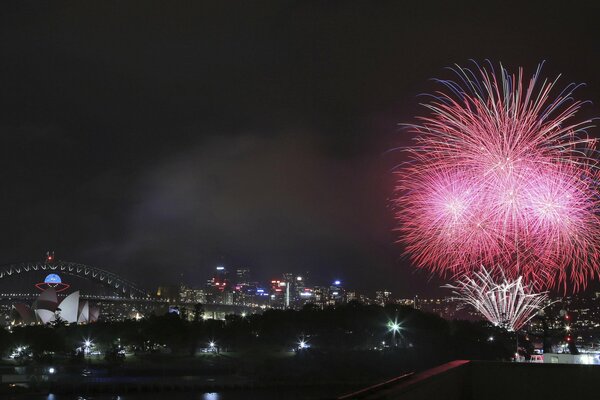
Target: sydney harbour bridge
[123, 290]
[119, 286]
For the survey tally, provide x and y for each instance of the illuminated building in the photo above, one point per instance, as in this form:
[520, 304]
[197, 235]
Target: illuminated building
[382, 297]
[219, 282]
[191, 295]
[351, 296]
[278, 288]
[288, 277]
[336, 293]
[168, 292]
[242, 276]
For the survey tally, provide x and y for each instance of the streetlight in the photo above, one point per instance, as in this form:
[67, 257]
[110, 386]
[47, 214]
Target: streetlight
[303, 343]
[87, 345]
[394, 327]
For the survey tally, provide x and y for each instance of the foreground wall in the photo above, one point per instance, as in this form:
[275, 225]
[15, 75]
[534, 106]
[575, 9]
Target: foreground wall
[534, 381]
[479, 380]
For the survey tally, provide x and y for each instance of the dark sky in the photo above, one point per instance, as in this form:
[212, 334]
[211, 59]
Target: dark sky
[158, 140]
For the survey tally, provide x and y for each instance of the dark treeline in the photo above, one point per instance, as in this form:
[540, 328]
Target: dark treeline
[342, 338]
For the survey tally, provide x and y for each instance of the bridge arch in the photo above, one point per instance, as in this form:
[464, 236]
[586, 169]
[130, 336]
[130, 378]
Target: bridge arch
[109, 279]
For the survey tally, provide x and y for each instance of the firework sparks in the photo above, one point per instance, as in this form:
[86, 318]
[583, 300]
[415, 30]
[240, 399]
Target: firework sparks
[509, 304]
[502, 173]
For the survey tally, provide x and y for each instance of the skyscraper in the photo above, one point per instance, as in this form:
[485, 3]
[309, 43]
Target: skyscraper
[242, 276]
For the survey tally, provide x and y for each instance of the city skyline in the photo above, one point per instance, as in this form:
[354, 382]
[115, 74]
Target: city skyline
[236, 293]
[203, 274]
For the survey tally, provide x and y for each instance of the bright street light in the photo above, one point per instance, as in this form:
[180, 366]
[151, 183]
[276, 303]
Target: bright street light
[394, 326]
[303, 343]
[87, 344]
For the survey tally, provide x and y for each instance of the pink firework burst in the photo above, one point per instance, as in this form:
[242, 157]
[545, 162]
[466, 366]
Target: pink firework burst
[502, 173]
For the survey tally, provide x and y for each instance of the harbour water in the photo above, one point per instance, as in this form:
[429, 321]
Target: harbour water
[262, 394]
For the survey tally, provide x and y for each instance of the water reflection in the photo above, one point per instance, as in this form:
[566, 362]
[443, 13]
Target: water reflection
[203, 396]
[273, 394]
[52, 396]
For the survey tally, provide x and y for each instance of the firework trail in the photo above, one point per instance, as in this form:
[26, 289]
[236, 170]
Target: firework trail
[509, 304]
[502, 173]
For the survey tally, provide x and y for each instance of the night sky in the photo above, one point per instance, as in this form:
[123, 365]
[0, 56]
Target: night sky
[158, 140]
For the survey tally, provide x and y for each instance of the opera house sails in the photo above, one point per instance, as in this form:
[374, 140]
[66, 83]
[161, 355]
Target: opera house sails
[46, 309]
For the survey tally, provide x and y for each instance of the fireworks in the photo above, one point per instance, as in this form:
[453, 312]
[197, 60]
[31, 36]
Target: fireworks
[509, 304]
[502, 173]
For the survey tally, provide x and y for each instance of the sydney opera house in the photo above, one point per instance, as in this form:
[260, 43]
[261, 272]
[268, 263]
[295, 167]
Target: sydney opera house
[46, 308]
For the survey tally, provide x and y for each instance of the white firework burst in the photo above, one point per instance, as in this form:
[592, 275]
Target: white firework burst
[509, 304]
